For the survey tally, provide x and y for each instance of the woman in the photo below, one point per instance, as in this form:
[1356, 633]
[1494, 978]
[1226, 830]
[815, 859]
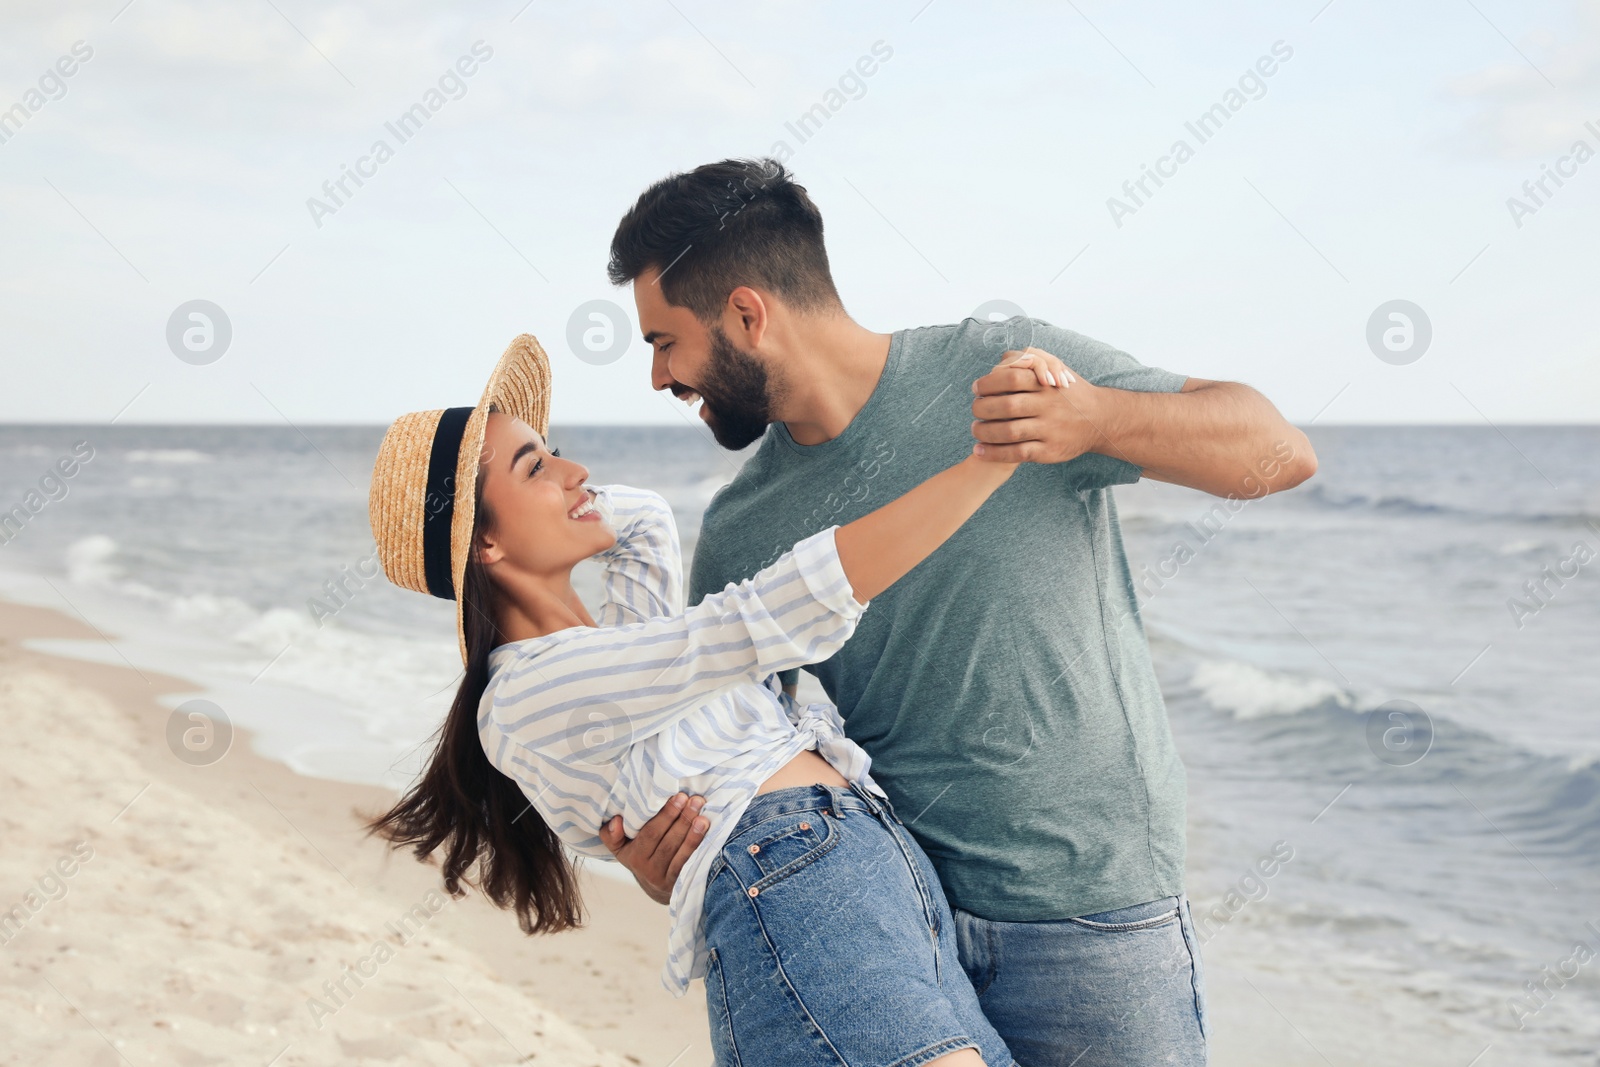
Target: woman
[814, 917]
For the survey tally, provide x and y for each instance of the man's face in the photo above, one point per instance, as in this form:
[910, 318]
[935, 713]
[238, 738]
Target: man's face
[695, 361]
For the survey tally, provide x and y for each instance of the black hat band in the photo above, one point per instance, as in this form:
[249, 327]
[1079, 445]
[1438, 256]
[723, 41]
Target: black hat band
[439, 506]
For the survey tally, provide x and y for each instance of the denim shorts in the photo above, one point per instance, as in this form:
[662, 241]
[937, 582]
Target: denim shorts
[831, 942]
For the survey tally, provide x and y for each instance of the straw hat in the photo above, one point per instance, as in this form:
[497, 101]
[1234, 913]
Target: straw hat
[424, 483]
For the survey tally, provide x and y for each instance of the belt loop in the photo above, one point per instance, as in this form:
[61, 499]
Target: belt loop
[833, 801]
[877, 805]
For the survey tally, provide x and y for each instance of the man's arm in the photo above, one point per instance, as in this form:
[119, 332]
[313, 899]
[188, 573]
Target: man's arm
[1222, 438]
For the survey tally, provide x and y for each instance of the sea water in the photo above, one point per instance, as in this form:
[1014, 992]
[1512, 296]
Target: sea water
[1447, 859]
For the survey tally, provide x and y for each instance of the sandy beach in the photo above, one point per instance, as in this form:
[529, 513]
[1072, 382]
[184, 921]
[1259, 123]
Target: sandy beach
[165, 913]
[234, 913]
[1289, 616]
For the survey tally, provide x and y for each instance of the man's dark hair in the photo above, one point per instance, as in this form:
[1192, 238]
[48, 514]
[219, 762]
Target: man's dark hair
[723, 225]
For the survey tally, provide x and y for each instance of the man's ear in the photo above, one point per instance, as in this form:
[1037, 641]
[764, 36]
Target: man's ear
[746, 317]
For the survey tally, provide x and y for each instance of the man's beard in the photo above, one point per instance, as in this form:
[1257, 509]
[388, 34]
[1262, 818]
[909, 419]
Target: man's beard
[738, 407]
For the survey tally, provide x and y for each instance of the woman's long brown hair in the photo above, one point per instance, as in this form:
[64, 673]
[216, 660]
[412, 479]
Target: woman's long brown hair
[466, 807]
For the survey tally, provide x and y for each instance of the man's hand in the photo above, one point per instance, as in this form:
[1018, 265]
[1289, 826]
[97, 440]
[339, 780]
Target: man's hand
[1032, 409]
[656, 855]
[1222, 438]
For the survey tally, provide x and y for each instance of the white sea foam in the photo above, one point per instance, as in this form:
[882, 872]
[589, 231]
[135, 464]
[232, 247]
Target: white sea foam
[166, 455]
[1583, 761]
[1523, 547]
[89, 561]
[208, 609]
[1249, 692]
[330, 700]
[400, 683]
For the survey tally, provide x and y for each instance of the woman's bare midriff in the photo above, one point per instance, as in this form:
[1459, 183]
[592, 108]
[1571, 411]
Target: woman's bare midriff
[807, 768]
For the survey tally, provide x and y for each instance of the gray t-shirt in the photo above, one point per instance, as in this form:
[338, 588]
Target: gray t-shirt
[1004, 687]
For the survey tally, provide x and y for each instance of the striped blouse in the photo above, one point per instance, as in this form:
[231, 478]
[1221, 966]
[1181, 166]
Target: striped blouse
[596, 721]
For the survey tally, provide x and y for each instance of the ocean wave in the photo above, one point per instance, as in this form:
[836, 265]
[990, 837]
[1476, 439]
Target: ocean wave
[166, 455]
[1525, 547]
[1250, 692]
[1548, 802]
[1392, 503]
[1583, 761]
[89, 561]
[209, 610]
[1399, 504]
[398, 683]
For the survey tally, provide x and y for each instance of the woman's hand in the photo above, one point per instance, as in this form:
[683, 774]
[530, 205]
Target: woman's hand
[1047, 369]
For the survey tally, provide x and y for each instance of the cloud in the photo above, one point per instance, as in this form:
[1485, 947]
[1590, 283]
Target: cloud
[188, 88]
[1518, 116]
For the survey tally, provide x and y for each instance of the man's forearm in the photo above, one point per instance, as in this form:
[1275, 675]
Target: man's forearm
[1218, 437]
[1222, 438]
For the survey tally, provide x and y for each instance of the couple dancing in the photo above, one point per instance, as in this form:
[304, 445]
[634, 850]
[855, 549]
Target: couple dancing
[976, 851]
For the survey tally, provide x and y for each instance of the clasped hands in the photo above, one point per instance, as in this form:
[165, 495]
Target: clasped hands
[1031, 408]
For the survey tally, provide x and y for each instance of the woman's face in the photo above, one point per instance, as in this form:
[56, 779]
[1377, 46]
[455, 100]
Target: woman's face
[543, 522]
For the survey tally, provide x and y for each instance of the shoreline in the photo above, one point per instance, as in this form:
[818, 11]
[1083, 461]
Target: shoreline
[236, 913]
[237, 909]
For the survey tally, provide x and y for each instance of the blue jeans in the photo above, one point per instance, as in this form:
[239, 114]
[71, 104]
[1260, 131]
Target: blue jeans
[831, 942]
[1113, 988]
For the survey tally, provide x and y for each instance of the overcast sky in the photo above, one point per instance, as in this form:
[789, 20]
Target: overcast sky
[975, 162]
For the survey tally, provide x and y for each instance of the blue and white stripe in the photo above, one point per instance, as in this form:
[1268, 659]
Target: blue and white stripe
[596, 721]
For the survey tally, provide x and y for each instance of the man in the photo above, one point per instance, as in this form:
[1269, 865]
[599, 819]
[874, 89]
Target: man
[1004, 688]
